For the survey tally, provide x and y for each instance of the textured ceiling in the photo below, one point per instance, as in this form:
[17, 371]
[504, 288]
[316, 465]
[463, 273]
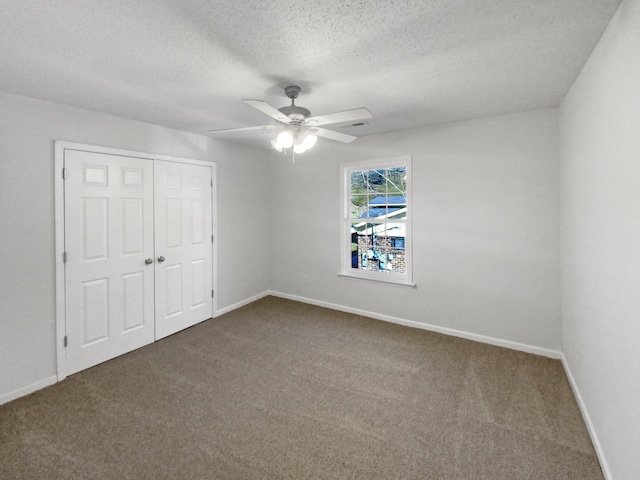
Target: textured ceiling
[187, 64]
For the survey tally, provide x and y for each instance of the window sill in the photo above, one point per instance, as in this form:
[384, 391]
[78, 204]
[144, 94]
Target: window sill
[395, 283]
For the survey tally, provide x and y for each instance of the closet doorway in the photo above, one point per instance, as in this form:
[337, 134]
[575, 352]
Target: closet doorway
[135, 241]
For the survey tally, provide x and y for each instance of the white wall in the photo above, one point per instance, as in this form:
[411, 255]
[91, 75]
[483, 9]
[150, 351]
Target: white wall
[486, 227]
[28, 129]
[600, 175]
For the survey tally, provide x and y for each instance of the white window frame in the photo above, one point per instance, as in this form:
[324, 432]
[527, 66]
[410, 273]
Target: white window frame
[346, 270]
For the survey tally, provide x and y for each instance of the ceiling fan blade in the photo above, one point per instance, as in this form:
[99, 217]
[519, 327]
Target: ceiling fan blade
[331, 135]
[268, 109]
[340, 117]
[244, 129]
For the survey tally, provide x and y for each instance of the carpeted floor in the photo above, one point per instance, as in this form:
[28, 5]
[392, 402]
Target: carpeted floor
[283, 390]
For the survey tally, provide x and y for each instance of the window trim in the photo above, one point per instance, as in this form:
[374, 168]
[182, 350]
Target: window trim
[346, 270]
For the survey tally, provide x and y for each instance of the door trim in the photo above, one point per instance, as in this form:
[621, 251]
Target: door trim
[59, 149]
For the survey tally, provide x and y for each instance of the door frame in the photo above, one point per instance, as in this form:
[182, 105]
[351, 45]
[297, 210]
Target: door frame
[60, 147]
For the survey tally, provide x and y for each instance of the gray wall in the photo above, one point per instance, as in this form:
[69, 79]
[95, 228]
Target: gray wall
[28, 129]
[600, 172]
[486, 227]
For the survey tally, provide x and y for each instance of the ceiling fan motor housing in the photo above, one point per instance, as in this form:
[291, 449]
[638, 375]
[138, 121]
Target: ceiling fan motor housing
[295, 113]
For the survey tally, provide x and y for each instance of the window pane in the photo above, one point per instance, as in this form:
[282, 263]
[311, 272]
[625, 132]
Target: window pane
[379, 235]
[384, 260]
[377, 206]
[362, 240]
[372, 259]
[359, 206]
[358, 182]
[396, 261]
[396, 232]
[377, 182]
[358, 229]
[396, 181]
[397, 206]
[354, 256]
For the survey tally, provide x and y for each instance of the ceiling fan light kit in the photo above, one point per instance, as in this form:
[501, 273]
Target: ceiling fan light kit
[298, 128]
[301, 142]
[284, 139]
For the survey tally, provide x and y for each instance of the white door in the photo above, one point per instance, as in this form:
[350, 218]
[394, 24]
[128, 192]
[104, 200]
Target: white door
[109, 287]
[183, 246]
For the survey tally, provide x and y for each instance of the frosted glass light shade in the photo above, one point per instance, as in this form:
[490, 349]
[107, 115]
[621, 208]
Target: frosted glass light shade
[285, 139]
[309, 142]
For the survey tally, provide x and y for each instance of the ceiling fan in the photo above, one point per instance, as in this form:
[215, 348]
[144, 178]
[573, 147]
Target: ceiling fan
[298, 129]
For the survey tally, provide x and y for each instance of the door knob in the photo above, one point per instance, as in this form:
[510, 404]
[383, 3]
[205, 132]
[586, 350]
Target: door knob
[148, 261]
[161, 259]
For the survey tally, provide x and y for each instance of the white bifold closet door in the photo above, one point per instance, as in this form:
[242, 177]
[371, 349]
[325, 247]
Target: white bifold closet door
[118, 295]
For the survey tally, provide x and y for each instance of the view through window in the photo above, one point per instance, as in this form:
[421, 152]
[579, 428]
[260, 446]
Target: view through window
[377, 220]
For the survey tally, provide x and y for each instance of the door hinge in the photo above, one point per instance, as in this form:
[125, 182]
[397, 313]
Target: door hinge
[64, 257]
[212, 183]
[65, 341]
[64, 173]
[211, 293]
[211, 238]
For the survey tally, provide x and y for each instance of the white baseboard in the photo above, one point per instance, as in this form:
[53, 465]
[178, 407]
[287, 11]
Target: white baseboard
[242, 303]
[21, 392]
[425, 326]
[587, 420]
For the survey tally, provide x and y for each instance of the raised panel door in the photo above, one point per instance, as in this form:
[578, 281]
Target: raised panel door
[184, 282]
[109, 288]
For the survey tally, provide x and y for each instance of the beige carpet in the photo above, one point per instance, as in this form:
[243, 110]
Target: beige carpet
[283, 390]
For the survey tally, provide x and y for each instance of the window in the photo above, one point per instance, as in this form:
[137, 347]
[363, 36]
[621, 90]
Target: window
[376, 228]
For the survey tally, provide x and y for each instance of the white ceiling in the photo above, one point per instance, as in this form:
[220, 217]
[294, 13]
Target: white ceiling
[186, 64]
